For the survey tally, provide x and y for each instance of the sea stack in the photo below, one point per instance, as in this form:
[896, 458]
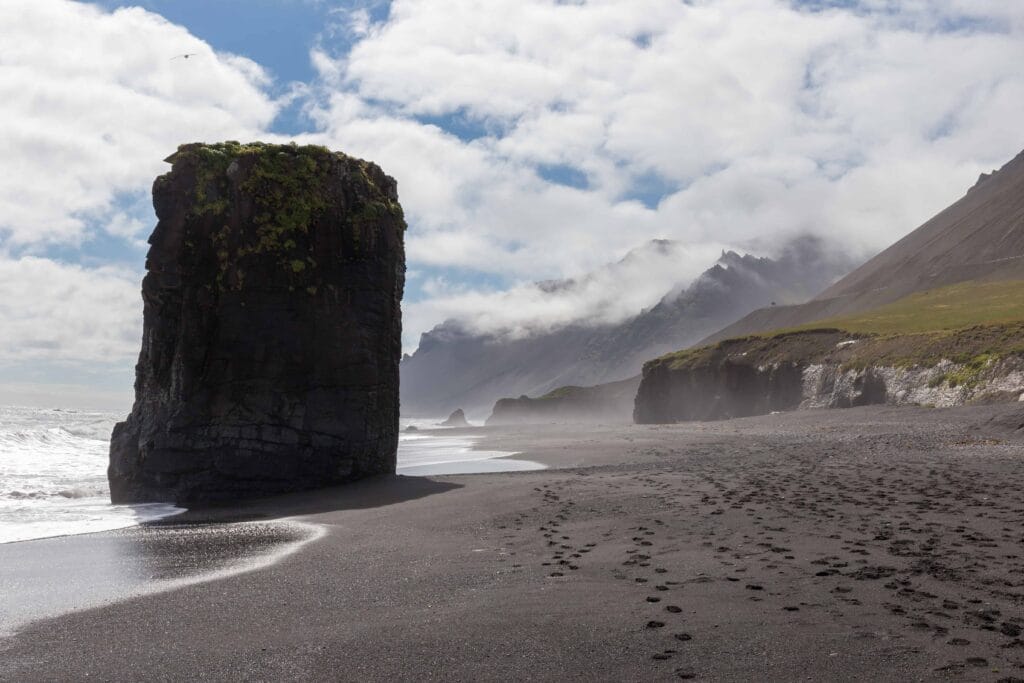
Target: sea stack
[271, 330]
[456, 419]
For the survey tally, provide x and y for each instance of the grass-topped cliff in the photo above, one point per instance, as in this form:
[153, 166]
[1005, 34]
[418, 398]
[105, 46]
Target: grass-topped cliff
[967, 337]
[960, 323]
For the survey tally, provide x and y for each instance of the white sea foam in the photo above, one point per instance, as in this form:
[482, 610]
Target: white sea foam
[53, 475]
[421, 454]
[53, 471]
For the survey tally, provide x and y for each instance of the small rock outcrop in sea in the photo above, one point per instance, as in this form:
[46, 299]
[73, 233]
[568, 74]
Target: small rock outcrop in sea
[456, 419]
[272, 327]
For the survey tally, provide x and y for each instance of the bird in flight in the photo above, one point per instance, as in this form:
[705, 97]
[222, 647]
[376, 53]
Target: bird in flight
[191, 54]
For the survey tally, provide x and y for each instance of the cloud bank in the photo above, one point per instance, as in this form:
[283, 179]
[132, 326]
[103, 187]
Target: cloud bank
[532, 140]
[608, 294]
[90, 102]
[536, 139]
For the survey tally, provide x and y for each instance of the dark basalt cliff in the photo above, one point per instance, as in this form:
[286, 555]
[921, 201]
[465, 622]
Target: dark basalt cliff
[759, 375]
[717, 392]
[272, 327]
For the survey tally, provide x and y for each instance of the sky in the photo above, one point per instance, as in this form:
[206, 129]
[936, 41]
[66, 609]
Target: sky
[531, 140]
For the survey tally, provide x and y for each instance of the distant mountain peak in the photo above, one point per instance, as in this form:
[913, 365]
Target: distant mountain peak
[457, 366]
[978, 237]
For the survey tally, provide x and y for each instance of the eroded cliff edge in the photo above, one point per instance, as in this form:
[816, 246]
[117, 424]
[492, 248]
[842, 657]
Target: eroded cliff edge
[272, 327]
[831, 368]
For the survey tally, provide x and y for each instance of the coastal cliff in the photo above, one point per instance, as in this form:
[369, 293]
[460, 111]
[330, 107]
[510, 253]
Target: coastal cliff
[272, 326]
[831, 368]
[604, 403]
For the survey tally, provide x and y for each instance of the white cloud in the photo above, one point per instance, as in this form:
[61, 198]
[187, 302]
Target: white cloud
[51, 311]
[90, 104]
[761, 117]
[755, 118]
[608, 294]
[91, 101]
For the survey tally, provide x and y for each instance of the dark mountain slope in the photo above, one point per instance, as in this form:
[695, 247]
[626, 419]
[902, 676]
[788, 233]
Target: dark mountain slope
[454, 367]
[980, 237]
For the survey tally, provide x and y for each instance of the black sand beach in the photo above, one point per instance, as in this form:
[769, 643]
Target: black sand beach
[865, 544]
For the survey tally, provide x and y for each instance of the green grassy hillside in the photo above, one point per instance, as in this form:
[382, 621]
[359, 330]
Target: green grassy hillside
[971, 324]
[958, 306]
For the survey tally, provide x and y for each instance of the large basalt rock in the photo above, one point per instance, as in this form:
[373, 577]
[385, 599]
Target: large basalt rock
[272, 327]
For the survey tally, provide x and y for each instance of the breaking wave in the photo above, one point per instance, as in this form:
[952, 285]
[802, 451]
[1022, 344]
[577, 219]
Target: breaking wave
[53, 475]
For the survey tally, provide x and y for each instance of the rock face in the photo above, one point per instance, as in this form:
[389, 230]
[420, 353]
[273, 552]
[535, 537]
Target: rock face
[829, 369]
[717, 392]
[272, 327]
[456, 419]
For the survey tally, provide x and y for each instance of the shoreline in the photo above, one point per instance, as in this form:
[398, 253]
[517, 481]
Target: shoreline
[490, 463]
[463, 441]
[822, 544]
[52, 577]
[132, 525]
[231, 517]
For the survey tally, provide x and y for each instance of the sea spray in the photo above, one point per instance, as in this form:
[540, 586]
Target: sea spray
[53, 470]
[53, 475]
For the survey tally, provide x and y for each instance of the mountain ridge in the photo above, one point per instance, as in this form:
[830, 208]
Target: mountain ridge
[978, 237]
[456, 367]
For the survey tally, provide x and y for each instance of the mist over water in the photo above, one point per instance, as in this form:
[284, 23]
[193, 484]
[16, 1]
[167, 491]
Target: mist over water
[53, 471]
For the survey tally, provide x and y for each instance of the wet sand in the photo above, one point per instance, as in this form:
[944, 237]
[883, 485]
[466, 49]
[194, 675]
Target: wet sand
[866, 544]
[53, 576]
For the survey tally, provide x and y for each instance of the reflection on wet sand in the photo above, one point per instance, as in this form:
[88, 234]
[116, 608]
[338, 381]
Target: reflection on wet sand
[53, 576]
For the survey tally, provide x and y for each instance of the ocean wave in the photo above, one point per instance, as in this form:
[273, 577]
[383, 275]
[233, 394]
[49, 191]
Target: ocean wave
[70, 493]
[46, 436]
[24, 495]
[81, 492]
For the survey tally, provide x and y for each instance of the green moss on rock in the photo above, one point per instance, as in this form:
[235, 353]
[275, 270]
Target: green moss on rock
[282, 190]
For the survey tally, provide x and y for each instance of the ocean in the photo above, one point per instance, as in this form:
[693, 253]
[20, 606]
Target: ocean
[53, 471]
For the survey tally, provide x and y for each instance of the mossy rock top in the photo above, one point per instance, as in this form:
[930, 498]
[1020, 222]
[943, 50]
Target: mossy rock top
[291, 181]
[250, 200]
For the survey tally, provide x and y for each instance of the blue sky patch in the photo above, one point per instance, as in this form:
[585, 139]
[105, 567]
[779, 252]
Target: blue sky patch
[277, 35]
[101, 249]
[649, 189]
[472, 279]
[564, 174]
[461, 125]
